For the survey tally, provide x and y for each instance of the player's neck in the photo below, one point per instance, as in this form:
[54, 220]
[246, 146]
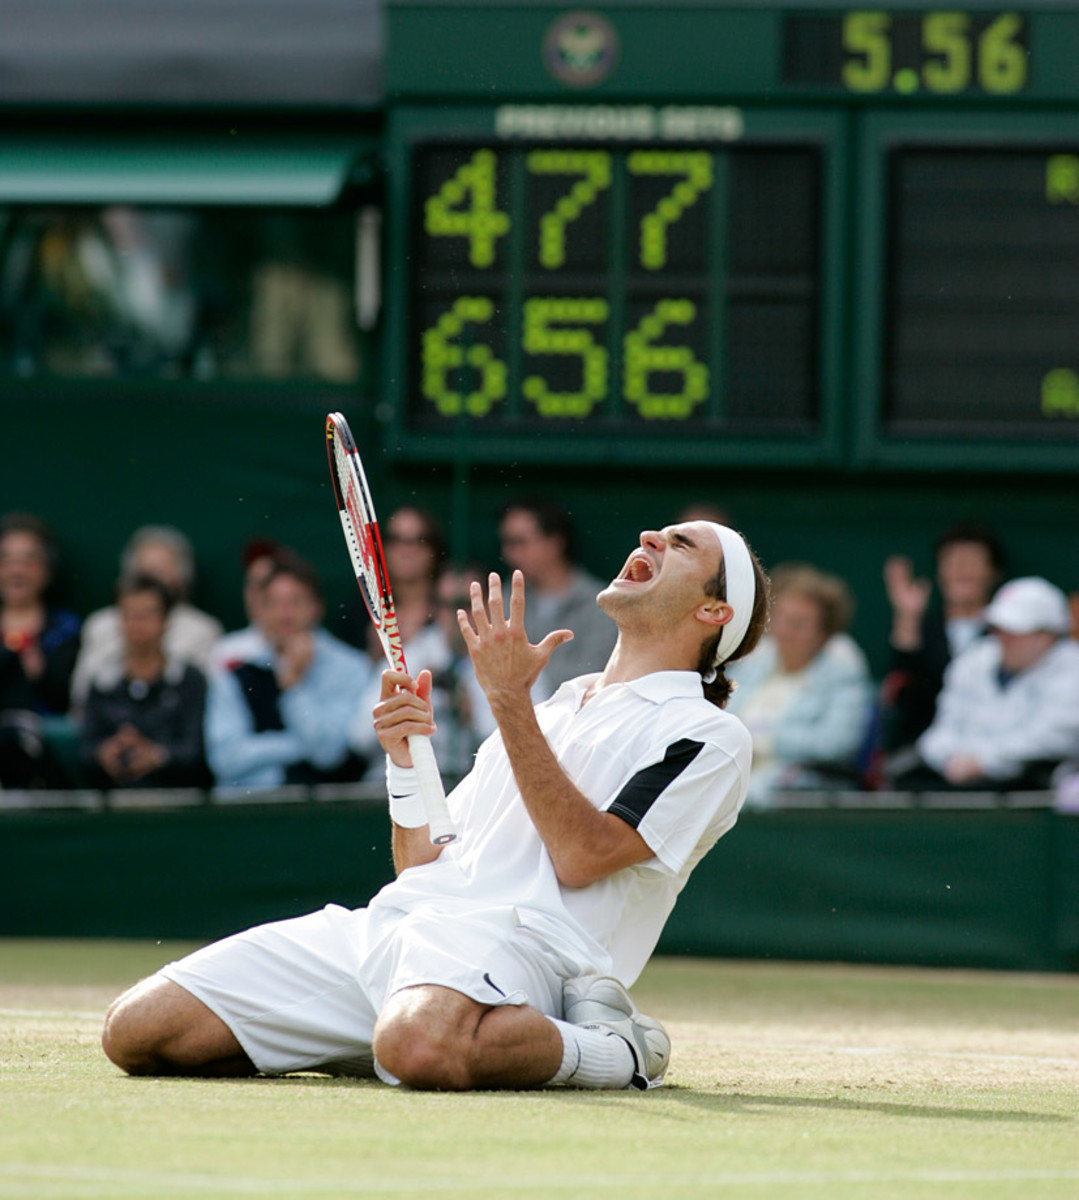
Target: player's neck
[634, 657]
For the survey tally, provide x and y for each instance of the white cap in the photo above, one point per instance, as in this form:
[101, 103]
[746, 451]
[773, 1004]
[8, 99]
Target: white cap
[1030, 605]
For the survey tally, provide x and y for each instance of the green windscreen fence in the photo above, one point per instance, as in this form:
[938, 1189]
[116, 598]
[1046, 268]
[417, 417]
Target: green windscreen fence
[995, 888]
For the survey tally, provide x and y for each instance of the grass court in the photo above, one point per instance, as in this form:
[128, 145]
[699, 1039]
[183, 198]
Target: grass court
[806, 1080]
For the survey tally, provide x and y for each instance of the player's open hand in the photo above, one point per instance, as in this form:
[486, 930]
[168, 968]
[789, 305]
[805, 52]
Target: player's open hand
[403, 710]
[506, 663]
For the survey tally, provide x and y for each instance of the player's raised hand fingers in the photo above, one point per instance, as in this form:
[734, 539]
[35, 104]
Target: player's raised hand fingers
[517, 599]
[556, 638]
[494, 600]
[395, 681]
[468, 633]
[478, 608]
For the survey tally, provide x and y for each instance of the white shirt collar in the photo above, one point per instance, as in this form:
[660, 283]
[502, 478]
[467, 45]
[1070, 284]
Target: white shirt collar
[656, 687]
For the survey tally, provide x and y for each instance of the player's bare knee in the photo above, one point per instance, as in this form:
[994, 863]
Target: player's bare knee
[422, 1048]
[127, 1038]
[158, 1028]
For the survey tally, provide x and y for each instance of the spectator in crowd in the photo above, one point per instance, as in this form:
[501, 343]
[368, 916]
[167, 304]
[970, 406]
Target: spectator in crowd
[1009, 709]
[143, 726]
[537, 538]
[805, 693]
[38, 646]
[413, 542]
[167, 555]
[257, 558]
[283, 715]
[926, 637]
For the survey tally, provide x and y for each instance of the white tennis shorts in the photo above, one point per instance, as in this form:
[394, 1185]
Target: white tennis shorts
[304, 994]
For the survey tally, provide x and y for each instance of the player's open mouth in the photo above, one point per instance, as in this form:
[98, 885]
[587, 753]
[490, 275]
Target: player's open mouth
[639, 569]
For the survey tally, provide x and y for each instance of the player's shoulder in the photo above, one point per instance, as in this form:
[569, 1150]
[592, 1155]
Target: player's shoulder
[697, 719]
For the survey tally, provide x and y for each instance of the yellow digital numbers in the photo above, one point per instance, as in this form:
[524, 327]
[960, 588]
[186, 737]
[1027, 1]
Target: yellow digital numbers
[947, 36]
[866, 40]
[594, 169]
[1062, 179]
[953, 52]
[507, 343]
[1003, 63]
[552, 325]
[694, 171]
[565, 327]
[1060, 394]
[465, 206]
[443, 353]
[645, 357]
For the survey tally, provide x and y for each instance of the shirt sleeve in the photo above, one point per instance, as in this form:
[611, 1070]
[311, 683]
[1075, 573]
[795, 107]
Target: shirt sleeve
[684, 801]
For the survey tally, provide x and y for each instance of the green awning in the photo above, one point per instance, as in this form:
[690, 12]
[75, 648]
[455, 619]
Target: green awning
[169, 169]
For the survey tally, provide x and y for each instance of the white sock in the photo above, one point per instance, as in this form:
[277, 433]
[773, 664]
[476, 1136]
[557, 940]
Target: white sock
[593, 1058]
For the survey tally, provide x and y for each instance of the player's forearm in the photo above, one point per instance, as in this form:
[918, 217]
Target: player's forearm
[584, 843]
[412, 847]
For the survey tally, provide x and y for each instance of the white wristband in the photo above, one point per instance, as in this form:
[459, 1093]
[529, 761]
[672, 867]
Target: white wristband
[406, 804]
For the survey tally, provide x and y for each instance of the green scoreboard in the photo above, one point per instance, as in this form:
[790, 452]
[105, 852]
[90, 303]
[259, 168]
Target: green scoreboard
[817, 234]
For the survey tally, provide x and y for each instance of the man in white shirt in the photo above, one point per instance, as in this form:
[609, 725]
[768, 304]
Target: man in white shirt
[502, 959]
[1009, 709]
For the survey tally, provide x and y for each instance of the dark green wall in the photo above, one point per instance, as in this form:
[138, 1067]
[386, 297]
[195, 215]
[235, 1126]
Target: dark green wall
[990, 888]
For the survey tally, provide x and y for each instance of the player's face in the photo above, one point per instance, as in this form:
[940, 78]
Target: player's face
[667, 573]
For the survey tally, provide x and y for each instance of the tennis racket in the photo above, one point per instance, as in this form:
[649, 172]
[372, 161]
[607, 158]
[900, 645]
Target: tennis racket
[365, 549]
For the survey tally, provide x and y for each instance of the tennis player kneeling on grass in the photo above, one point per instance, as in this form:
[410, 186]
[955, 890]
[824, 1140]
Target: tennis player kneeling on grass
[502, 959]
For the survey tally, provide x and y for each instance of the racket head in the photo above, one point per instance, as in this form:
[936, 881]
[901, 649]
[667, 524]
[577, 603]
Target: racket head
[360, 525]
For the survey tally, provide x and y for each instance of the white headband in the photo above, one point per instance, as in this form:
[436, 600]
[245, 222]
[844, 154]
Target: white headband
[741, 590]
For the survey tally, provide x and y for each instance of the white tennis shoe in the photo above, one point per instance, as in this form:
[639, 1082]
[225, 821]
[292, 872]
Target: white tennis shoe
[601, 1002]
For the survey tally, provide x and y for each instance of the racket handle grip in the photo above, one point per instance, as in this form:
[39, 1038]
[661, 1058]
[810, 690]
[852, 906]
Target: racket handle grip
[431, 791]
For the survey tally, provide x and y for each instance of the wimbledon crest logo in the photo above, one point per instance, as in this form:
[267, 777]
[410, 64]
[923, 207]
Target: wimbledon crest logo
[581, 49]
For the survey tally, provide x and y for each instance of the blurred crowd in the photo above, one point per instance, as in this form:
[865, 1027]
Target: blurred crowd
[981, 690]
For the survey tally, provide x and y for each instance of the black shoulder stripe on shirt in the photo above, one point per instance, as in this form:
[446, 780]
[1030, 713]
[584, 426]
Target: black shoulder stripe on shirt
[637, 797]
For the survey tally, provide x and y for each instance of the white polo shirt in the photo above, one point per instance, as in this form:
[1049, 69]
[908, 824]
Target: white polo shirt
[652, 751]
